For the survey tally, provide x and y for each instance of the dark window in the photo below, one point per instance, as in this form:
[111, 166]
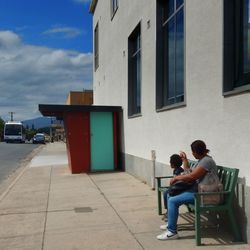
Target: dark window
[134, 72]
[170, 53]
[113, 6]
[246, 36]
[236, 45]
[96, 46]
[13, 129]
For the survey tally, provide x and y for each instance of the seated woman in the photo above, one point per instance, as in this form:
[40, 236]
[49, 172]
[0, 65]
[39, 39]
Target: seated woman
[204, 164]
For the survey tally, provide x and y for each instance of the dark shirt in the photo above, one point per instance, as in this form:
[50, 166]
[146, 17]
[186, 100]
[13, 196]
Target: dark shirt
[178, 171]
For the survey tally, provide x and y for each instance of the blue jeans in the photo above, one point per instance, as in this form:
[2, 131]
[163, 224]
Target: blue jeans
[173, 208]
[165, 199]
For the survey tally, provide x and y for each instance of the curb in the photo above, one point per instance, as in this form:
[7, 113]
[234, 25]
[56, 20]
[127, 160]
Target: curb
[11, 180]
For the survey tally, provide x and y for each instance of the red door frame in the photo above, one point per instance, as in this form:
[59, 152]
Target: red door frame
[77, 128]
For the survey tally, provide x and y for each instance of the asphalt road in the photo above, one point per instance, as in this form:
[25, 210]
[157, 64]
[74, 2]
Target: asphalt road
[12, 156]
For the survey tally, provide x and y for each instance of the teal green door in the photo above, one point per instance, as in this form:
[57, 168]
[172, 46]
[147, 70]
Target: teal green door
[102, 147]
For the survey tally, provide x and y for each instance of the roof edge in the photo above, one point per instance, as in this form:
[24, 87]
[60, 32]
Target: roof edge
[92, 6]
[59, 110]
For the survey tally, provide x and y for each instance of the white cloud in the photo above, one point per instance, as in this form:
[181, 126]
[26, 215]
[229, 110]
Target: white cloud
[30, 75]
[66, 32]
[9, 39]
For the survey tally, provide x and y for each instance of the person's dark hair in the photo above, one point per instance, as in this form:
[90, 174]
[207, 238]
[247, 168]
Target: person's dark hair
[199, 147]
[175, 160]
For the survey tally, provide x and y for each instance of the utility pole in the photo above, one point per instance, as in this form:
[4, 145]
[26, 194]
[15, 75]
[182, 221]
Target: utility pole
[51, 132]
[11, 115]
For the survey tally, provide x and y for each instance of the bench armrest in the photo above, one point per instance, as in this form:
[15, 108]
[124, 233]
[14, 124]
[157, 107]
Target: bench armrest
[197, 195]
[164, 177]
[203, 195]
[159, 178]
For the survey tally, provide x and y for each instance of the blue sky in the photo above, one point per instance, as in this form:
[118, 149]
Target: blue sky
[45, 51]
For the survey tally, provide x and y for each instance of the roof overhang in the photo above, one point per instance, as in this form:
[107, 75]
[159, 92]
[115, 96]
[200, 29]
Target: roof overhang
[92, 6]
[59, 110]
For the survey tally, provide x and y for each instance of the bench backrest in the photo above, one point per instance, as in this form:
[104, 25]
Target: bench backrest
[228, 177]
[191, 163]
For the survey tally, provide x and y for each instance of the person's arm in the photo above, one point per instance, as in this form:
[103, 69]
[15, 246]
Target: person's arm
[196, 174]
[184, 160]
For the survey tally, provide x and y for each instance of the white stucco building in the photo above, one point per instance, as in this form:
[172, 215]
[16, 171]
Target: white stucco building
[180, 69]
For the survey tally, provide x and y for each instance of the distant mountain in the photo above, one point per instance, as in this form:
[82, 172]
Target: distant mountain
[39, 122]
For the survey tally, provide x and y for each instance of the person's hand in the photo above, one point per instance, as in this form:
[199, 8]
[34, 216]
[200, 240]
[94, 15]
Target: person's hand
[183, 155]
[172, 181]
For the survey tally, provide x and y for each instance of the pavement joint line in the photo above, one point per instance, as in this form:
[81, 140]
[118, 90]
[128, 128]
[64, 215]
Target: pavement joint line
[47, 206]
[19, 236]
[107, 200]
[39, 212]
[12, 184]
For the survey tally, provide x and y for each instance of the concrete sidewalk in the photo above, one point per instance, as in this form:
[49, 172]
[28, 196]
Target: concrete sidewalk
[47, 207]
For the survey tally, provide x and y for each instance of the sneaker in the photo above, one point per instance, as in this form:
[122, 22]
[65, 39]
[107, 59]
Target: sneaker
[167, 236]
[164, 227]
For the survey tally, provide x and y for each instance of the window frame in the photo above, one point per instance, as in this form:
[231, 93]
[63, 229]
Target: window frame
[235, 81]
[161, 62]
[134, 87]
[96, 46]
[114, 4]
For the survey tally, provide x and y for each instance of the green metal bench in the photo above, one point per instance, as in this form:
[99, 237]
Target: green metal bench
[228, 177]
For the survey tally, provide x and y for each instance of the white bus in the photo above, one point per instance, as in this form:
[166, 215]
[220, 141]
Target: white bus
[14, 132]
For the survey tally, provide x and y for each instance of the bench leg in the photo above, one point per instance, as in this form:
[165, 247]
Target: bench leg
[159, 202]
[197, 223]
[235, 228]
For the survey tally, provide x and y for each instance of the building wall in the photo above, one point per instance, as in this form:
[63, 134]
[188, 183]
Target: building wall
[222, 122]
[80, 97]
